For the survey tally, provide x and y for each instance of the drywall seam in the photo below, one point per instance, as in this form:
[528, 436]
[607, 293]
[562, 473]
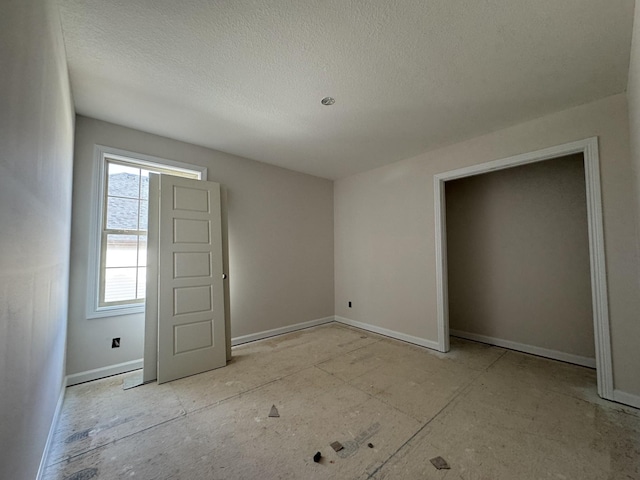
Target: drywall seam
[523, 347]
[423, 342]
[97, 373]
[252, 337]
[52, 430]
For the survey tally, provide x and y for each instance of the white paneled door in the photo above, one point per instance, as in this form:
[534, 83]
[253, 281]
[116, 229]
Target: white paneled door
[191, 324]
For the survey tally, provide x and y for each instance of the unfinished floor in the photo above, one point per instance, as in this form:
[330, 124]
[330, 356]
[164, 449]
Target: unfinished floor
[490, 412]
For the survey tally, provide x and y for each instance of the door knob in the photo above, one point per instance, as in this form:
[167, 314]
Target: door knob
[224, 276]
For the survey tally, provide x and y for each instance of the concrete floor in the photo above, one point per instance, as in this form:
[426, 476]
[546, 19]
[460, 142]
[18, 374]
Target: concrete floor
[491, 413]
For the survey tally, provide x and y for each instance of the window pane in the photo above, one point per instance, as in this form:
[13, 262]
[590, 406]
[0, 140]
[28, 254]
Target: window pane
[144, 214]
[122, 250]
[120, 284]
[123, 181]
[142, 282]
[122, 214]
[142, 251]
[144, 184]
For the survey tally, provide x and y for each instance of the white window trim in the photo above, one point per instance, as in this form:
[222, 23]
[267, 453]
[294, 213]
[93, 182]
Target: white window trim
[95, 222]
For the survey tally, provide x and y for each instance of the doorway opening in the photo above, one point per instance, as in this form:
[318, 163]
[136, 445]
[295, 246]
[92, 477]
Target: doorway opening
[589, 150]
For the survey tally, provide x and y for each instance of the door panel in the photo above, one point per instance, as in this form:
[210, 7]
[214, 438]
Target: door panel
[191, 323]
[193, 336]
[192, 264]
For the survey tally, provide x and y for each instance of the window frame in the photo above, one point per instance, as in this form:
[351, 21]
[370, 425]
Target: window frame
[97, 249]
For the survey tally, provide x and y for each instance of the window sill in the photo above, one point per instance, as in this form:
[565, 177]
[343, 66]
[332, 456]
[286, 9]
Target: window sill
[117, 311]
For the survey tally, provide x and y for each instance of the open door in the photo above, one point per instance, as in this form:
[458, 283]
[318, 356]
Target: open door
[189, 300]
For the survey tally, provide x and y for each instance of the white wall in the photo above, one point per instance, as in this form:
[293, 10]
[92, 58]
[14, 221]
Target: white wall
[518, 256]
[36, 142]
[280, 227]
[385, 234]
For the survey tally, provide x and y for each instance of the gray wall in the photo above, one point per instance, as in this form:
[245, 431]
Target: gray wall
[280, 227]
[633, 96]
[36, 141]
[518, 256]
[385, 228]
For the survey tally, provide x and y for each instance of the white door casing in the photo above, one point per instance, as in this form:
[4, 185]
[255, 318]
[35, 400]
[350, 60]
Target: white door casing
[150, 359]
[190, 294]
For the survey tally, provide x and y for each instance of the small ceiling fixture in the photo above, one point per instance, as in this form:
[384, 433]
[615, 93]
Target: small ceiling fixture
[328, 101]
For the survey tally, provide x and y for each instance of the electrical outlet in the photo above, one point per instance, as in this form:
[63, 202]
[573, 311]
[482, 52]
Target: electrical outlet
[349, 304]
[115, 343]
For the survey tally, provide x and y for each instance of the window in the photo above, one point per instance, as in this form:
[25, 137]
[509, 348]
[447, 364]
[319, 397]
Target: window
[118, 277]
[124, 235]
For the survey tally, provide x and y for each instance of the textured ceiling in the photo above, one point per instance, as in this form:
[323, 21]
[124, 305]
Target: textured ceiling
[247, 76]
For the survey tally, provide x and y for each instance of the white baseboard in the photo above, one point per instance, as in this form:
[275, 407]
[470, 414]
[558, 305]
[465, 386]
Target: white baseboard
[423, 342]
[252, 337]
[522, 347]
[97, 373]
[52, 430]
[626, 398]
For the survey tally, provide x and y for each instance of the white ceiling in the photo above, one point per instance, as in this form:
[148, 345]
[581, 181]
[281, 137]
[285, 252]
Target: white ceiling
[247, 76]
